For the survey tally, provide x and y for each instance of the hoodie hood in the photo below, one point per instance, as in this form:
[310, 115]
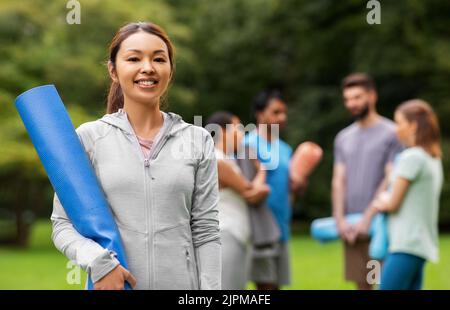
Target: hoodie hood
[172, 123]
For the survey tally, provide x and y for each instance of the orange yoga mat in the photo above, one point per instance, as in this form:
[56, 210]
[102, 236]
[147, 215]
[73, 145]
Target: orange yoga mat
[305, 159]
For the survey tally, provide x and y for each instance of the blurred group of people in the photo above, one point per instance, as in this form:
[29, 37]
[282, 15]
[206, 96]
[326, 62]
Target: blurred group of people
[255, 195]
[379, 166]
[394, 168]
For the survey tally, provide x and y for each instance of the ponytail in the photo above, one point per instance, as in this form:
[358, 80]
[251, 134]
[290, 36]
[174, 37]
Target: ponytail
[115, 98]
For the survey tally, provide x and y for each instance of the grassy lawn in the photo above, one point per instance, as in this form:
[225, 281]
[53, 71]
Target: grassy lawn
[315, 266]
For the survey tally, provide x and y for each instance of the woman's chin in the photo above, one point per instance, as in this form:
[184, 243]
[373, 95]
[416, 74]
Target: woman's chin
[146, 100]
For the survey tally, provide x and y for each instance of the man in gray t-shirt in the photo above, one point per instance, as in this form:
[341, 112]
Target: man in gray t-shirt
[363, 154]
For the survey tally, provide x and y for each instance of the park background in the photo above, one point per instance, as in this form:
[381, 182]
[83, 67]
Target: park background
[227, 51]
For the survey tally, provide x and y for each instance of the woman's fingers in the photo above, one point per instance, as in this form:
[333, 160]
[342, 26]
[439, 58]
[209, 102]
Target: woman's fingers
[131, 279]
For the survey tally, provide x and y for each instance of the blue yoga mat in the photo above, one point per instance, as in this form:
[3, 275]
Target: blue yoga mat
[325, 230]
[379, 244]
[68, 168]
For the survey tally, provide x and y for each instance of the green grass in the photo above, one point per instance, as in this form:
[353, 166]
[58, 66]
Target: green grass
[40, 266]
[320, 266]
[314, 266]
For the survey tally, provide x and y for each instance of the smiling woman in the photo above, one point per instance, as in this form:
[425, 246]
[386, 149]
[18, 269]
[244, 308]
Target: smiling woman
[165, 207]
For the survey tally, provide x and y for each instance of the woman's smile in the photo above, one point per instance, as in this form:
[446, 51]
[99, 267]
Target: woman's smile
[147, 83]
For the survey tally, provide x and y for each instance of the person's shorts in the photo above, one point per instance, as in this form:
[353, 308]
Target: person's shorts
[271, 265]
[356, 257]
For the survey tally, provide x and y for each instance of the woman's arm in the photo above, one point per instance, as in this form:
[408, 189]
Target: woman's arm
[391, 203]
[86, 253]
[253, 191]
[228, 177]
[260, 190]
[204, 218]
[260, 177]
[97, 261]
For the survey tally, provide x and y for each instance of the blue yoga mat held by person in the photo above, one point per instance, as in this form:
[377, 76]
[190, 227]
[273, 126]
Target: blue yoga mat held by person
[325, 230]
[70, 171]
[363, 156]
[413, 201]
[158, 174]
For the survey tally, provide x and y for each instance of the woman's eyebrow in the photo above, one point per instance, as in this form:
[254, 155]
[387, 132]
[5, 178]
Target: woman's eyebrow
[159, 52]
[133, 50]
[140, 52]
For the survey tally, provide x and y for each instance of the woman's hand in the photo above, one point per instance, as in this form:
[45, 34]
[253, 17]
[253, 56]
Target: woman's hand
[382, 202]
[257, 193]
[115, 280]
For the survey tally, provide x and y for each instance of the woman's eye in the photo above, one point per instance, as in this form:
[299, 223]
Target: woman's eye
[133, 59]
[160, 60]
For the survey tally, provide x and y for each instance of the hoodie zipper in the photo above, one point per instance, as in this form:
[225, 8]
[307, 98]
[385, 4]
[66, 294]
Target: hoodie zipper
[149, 208]
[146, 183]
[190, 267]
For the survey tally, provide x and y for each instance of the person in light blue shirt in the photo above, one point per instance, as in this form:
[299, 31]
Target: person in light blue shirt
[271, 266]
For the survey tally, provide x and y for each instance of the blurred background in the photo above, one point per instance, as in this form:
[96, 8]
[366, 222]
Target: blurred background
[227, 51]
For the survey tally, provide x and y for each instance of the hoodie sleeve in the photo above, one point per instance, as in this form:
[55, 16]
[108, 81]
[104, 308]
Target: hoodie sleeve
[86, 253]
[204, 218]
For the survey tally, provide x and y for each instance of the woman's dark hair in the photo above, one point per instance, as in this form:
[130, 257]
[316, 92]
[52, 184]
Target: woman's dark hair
[115, 95]
[262, 99]
[428, 134]
[220, 118]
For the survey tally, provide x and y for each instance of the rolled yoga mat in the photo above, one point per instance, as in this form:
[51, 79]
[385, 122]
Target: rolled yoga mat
[379, 244]
[69, 169]
[325, 230]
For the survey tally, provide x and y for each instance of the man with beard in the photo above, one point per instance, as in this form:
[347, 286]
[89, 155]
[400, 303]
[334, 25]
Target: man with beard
[363, 155]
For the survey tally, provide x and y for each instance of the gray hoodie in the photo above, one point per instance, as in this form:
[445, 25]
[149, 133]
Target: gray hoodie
[165, 205]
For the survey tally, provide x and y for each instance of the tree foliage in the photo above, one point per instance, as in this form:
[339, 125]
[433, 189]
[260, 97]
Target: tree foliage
[227, 51]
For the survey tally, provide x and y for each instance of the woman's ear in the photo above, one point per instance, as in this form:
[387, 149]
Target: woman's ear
[112, 71]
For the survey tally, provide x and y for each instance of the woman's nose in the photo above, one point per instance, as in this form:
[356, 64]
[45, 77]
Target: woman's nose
[147, 67]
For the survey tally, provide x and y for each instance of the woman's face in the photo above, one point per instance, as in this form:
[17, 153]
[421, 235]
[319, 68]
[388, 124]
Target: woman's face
[233, 134]
[406, 131]
[142, 68]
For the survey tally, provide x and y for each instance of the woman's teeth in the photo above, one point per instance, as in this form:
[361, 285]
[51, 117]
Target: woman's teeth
[146, 83]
